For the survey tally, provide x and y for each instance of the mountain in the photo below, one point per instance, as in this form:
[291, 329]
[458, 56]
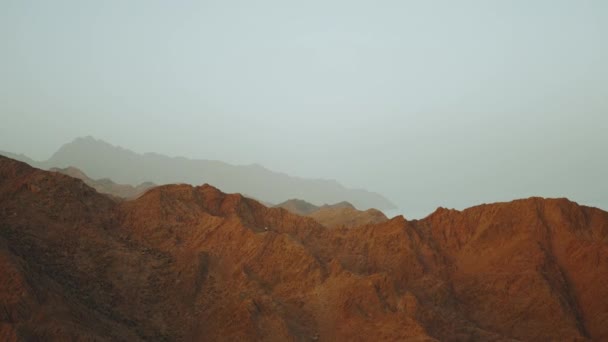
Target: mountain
[99, 159]
[298, 206]
[194, 263]
[107, 186]
[347, 217]
[334, 215]
[24, 158]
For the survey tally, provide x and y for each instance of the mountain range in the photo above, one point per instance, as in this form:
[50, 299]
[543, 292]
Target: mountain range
[331, 216]
[192, 263]
[99, 160]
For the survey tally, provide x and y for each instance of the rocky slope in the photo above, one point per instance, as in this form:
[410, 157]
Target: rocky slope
[193, 263]
[334, 215]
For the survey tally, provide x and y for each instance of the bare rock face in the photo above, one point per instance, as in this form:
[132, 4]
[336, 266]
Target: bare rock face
[195, 264]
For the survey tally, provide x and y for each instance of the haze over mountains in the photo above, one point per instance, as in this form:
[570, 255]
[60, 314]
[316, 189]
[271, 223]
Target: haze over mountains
[427, 103]
[196, 264]
[99, 159]
[284, 171]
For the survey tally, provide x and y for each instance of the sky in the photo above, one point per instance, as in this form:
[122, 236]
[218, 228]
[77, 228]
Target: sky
[431, 103]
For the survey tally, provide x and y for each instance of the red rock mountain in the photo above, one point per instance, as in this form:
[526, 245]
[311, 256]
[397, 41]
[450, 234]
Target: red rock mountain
[195, 264]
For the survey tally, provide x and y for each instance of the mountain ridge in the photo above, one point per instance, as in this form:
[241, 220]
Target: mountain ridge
[105, 185]
[341, 214]
[99, 159]
[194, 263]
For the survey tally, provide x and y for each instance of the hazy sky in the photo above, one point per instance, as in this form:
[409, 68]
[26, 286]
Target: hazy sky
[431, 103]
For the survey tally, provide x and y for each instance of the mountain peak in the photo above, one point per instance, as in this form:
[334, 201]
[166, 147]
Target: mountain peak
[298, 206]
[90, 140]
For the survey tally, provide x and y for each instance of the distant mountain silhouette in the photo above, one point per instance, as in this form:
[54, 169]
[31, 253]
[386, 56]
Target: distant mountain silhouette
[24, 158]
[99, 159]
[335, 217]
[105, 185]
[342, 214]
[298, 206]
